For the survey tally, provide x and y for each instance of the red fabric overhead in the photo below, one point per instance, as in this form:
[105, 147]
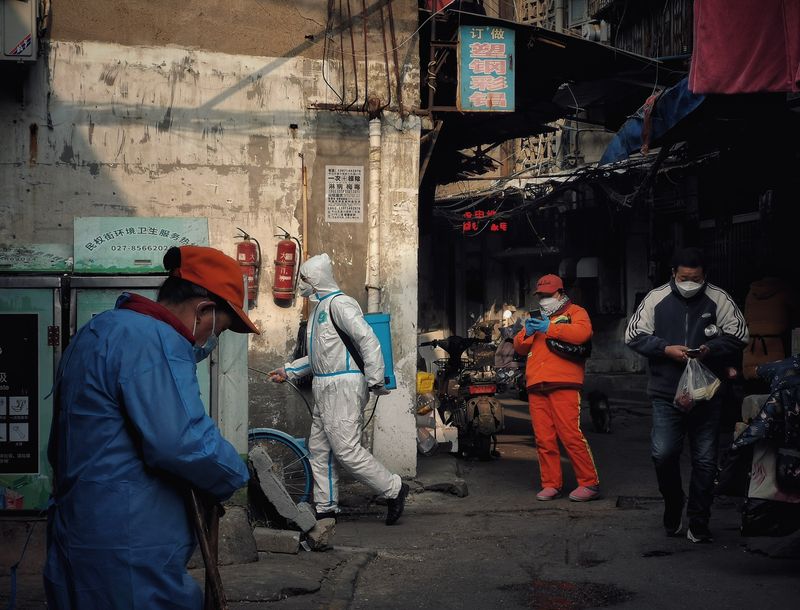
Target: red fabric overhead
[745, 46]
[437, 5]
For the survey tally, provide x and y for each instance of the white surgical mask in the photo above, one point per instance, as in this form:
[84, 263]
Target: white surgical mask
[550, 305]
[201, 352]
[689, 289]
[304, 288]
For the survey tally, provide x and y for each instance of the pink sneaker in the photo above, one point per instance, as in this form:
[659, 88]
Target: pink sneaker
[584, 493]
[548, 493]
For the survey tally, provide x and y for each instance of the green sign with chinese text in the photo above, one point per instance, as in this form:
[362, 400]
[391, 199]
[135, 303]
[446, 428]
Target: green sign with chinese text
[132, 245]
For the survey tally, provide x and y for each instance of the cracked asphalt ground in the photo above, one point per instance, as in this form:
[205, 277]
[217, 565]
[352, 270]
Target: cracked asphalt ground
[500, 548]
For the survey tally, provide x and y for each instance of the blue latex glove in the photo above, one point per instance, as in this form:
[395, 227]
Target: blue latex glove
[533, 325]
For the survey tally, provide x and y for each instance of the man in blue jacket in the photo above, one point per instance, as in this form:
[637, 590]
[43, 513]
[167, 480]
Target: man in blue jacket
[130, 436]
[686, 318]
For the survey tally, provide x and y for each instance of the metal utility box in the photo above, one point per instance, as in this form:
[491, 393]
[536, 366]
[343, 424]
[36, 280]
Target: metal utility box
[30, 348]
[19, 30]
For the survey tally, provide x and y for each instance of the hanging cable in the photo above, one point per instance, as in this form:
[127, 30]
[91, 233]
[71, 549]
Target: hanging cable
[296, 389]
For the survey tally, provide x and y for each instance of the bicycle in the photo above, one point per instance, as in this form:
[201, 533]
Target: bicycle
[289, 454]
[290, 461]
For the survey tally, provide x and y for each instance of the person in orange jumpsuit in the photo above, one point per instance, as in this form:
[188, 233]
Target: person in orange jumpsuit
[554, 383]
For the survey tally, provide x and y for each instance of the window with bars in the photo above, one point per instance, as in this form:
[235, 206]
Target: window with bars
[578, 13]
[540, 13]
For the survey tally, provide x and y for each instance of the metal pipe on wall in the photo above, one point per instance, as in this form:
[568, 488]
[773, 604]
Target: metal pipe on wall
[373, 245]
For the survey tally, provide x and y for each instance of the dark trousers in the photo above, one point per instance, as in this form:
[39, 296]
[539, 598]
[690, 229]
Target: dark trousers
[670, 426]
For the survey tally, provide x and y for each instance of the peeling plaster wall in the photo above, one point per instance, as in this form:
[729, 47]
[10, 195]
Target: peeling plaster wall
[109, 130]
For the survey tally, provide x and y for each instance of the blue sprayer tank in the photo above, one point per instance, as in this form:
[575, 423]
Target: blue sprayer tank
[380, 325]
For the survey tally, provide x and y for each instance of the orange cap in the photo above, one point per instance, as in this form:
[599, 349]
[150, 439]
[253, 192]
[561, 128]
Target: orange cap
[548, 284]
[218, 273]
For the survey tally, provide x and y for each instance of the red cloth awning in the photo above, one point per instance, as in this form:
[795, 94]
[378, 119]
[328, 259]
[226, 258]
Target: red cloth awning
[746, 46]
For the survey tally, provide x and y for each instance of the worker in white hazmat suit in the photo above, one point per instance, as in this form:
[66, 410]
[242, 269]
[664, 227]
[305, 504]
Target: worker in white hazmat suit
[341, 390]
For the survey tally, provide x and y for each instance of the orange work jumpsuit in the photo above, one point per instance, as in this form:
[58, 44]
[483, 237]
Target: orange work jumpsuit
[554, 385]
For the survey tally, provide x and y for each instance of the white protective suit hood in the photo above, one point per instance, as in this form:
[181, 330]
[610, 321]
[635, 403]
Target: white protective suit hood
[318, 273]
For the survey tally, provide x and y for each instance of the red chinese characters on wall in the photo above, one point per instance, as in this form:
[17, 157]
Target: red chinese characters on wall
[478, 220]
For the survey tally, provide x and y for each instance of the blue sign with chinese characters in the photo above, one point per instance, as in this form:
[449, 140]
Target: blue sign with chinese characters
[486, 69]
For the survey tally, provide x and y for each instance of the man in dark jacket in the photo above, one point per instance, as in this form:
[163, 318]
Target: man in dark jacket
[682, 319]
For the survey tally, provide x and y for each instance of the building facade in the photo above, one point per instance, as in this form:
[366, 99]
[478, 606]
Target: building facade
[209, 110]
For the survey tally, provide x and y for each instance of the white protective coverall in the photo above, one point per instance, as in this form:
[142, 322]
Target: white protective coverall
[340, 389]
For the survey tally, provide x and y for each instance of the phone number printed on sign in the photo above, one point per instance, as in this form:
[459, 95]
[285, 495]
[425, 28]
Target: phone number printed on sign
[344, 193]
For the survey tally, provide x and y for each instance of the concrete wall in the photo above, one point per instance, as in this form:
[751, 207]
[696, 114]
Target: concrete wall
[162, 126]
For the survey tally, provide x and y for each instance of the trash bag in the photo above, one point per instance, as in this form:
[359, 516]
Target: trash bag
[733, 477]
[788, 470]
[696, 383]
[769, 518]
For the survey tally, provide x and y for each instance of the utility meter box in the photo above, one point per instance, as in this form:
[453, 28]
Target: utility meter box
[18, 30]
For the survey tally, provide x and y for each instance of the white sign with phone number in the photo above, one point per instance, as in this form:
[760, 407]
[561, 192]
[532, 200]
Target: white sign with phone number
[344, 193]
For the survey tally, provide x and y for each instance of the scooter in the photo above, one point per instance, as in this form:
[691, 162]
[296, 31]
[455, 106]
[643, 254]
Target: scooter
[465, 391]
[511, 379]
[510, 365]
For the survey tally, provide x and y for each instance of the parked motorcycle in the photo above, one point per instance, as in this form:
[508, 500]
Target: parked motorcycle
[511, 379]
[465, 391]
[510, 365]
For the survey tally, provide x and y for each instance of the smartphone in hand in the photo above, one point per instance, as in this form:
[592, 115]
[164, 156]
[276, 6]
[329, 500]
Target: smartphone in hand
[693, 353]
[535, 313]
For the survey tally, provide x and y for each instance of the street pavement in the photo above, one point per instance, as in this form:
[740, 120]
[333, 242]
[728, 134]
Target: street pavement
[497, 547]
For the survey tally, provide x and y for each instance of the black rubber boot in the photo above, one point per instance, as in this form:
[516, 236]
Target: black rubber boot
[396, 505]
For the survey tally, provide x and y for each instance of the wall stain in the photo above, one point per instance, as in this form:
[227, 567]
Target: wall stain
[91, 130]
[260, 150]
[258, 91]
[165, 123]
[110, 73]
[68, 155]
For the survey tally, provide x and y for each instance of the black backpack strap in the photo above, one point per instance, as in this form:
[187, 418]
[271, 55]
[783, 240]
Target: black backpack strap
[348, 342]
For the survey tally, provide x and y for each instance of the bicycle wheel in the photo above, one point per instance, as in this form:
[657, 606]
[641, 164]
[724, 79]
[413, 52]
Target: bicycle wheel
[289, 460]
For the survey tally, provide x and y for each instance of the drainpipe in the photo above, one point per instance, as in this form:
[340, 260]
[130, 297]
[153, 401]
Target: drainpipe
[374, 244]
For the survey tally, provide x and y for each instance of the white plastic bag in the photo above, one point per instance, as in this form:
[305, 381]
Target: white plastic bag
[696, 383]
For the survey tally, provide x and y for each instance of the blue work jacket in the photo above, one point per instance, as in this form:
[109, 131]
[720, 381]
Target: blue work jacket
[131, 436]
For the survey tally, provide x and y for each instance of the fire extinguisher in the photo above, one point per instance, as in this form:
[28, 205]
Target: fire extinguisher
[286, 267]
[248, 254]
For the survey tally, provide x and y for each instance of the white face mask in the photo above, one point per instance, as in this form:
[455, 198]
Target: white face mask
[201, 352]
[549, 305]
[689, 289]
[304, 288]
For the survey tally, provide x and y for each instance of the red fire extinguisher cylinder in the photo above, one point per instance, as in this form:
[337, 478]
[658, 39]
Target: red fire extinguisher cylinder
[248, 255]
[285, 263]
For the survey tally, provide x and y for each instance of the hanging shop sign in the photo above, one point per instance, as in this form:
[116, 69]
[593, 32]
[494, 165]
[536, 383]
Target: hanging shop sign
[19, 384]
[483, 220]
[344, 193]
[486, 69]
[110, 245]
